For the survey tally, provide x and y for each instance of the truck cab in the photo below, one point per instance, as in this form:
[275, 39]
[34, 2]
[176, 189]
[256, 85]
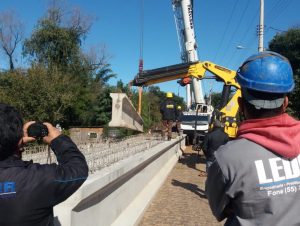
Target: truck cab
[196, 123]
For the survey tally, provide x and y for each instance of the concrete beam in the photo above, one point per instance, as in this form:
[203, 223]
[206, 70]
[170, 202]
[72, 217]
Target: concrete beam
[124, 114]
[119, 194]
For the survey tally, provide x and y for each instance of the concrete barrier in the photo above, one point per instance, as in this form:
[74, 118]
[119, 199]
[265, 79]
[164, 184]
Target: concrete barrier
[124, 114]
[118, 195]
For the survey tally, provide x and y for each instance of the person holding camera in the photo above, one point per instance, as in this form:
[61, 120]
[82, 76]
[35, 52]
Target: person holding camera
[28, 191]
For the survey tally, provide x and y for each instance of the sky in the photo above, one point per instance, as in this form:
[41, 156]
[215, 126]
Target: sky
[220, 26]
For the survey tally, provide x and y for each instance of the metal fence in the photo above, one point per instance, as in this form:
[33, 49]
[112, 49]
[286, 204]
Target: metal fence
[98, 155]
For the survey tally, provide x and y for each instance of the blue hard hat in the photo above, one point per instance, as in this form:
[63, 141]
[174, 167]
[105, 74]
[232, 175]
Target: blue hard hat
[267, 72]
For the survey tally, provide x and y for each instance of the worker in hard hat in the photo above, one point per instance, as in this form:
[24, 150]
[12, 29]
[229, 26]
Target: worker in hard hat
[255, 179]
[179, 119]
[169, 113]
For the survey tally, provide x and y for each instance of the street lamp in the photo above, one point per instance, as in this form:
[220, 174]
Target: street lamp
[240, 47]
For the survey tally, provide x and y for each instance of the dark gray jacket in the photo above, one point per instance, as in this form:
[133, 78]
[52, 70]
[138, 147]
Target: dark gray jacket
[250, 185]
[212, 141]
[28, 191]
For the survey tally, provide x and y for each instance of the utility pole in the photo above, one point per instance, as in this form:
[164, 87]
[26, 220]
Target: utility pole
[261, 28]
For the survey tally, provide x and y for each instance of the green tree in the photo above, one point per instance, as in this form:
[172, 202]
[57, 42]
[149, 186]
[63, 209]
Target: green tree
[54, 43]
[150, 110]
[288, 44]
[104, 74]
[55, 46]
[216, 100]
[103, 107]
[151, 101]
[38, 94]
[12, 88]
[122, 88]
[162, 95]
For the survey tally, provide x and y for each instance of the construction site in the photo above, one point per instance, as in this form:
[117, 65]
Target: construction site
[147, 179]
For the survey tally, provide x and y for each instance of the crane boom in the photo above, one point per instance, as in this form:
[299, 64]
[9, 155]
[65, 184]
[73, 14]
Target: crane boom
[183, 13]
[197, 70]
[194, 70]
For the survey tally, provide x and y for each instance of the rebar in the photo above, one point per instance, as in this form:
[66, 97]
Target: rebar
[98, 155]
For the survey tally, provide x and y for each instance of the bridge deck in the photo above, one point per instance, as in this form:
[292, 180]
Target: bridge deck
[181, 200]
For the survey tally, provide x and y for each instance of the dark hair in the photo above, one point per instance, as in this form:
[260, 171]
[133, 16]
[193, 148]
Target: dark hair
[262, 113]
[11, 130]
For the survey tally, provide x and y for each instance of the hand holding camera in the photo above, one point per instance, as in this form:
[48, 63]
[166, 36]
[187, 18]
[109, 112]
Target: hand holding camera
[39, 131]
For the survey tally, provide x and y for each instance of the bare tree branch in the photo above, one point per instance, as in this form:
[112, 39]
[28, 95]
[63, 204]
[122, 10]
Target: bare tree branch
[11, 34]
[98, 56]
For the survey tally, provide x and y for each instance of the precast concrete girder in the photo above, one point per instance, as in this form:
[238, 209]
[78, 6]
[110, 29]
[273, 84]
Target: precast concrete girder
[124, 114]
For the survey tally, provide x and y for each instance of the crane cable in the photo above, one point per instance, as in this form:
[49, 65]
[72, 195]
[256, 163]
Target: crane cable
[141, 62]
[141, 35]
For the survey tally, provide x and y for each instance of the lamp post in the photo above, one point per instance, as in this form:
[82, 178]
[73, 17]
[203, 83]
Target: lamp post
[261, 28]
[240, 47]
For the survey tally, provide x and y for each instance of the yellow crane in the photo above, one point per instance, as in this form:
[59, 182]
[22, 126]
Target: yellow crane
[185, 71]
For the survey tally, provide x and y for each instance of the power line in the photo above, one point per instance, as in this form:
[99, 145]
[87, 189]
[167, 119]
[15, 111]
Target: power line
[245, 34]
[276, 7]
[236, 28]
[250, 44]
[230, 58]
[279, 7]
[283, 7]
[225, 31]
[275, 29]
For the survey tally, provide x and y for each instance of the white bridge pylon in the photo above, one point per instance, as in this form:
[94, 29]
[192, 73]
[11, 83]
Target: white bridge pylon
[124, 114]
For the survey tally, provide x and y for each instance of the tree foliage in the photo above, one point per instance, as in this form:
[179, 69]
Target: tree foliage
[288, 44]
[65, 85]
[151, 100]
[38, 94]
[216, 99]
[53, 43]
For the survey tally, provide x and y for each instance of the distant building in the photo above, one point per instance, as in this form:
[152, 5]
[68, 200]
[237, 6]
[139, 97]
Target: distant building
[82, 135]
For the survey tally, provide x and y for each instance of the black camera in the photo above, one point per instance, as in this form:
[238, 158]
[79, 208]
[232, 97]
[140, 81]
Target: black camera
[37, 130]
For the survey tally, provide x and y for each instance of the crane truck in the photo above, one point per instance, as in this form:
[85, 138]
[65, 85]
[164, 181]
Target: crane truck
[197, 70]
[199, 115]
[193, 123]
